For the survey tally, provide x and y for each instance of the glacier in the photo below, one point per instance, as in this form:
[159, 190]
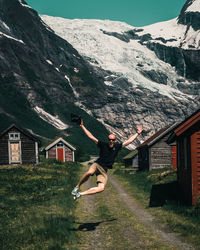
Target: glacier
[122, 58]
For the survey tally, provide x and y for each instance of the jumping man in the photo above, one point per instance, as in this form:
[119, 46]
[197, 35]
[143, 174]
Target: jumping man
[107, 154]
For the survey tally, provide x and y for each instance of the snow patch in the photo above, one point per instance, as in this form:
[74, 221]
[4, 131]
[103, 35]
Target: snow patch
[194, 7]
[66, 77]
[53, 120]
[74, 91]
[10, 37]
[76, 70]
[6, 26]
[34, 134]
[174, 34]
[24, 5]
[108, 83]
[49, 62]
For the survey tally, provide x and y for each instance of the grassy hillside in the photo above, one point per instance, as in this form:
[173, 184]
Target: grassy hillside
[36, 208]
[14, 108]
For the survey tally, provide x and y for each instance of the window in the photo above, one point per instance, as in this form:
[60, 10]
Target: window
[60, 144]
[14, 136]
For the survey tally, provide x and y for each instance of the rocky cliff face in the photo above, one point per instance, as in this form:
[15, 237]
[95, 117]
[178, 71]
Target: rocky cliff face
[35, 57]
[190, 15]
[119, 75]
[40, 73]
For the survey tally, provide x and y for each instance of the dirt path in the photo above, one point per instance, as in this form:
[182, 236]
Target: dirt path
[114, 220]
[147, 219]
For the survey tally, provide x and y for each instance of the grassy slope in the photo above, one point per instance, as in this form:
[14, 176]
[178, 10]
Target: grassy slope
[36, 206]
[181, 219]
[14, 108]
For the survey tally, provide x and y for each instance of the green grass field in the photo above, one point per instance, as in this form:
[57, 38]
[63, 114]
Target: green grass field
[36, 206]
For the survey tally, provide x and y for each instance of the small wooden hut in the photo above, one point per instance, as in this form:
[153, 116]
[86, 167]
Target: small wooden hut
[155, 153]
[17, 146]
[187, 137]
[131, 159]
[60, 150]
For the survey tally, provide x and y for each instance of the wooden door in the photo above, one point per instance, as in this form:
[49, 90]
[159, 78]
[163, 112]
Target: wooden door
[195, 166]
[15, 152]
[60, 154]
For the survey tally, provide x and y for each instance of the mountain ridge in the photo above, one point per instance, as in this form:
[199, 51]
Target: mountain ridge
[45, 77]
[97, 39]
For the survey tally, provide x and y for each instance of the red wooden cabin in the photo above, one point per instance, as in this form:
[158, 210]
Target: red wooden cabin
[60, 150]
[187, 136]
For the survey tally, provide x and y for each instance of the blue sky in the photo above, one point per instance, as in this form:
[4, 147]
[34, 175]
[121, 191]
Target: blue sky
[133, 12]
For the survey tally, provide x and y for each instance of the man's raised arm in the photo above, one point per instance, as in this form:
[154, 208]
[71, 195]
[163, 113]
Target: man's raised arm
[133, 137]
[94, 139]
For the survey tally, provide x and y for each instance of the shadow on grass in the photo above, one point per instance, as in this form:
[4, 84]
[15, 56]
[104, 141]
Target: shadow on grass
[91, 226]
[161, 193]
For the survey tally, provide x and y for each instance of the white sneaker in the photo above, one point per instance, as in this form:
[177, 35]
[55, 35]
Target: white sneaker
[78, 195]
[75, 191]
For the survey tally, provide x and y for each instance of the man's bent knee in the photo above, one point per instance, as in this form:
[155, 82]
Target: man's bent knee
[101, 187]
[90, 172]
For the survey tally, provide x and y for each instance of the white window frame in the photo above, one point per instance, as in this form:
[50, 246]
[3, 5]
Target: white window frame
[14, 138]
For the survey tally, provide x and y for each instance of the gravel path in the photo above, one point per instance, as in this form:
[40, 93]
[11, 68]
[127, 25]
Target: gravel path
[146, 218]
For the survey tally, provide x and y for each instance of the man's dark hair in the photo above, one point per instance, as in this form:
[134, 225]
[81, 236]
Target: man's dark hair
[76, 118]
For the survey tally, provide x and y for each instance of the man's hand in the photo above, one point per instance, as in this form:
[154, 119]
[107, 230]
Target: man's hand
[81, 124]
[133, 137]
[139, 129]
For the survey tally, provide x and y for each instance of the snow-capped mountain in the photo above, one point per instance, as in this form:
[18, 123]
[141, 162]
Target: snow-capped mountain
[109, 72]
[176, 41]
[150, 76]
[100, 43]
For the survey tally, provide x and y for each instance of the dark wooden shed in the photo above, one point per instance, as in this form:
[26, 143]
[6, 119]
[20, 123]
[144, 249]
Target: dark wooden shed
[131, 159]
[155, 153]
[17, 146]
[187, 137]
[61, 150]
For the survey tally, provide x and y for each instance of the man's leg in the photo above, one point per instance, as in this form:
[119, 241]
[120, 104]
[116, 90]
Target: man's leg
[100, 188]
[101, 182]
[86, 176]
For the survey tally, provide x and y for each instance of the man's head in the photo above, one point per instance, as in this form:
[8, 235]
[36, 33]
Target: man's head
[111, 140]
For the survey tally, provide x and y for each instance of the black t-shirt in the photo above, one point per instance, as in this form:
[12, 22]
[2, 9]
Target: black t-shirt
[107, 155]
